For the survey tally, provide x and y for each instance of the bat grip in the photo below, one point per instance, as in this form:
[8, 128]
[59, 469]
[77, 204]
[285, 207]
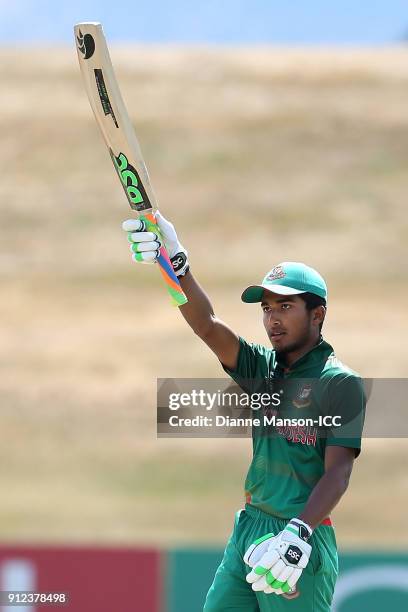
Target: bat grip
[174, 289]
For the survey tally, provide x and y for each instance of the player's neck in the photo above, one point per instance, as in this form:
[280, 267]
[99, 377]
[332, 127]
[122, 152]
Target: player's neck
[291, 357]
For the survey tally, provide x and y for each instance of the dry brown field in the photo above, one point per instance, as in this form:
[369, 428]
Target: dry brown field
[258, 155]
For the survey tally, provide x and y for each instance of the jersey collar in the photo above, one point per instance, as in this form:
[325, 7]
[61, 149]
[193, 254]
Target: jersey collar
[318, 354]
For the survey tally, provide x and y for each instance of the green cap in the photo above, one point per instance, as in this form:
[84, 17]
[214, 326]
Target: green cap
[288, 278]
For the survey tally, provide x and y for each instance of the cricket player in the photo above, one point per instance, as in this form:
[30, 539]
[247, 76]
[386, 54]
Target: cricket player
[282, 554]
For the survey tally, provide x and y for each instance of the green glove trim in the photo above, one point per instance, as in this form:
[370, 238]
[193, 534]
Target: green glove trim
[277, 584]
[270, 579]
[261, 571]
[295, 531]
[265, 537]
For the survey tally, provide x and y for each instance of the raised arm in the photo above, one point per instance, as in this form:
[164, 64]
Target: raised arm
[198, 312]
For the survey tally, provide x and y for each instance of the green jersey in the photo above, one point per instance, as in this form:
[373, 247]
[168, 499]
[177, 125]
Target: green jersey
[288, 461]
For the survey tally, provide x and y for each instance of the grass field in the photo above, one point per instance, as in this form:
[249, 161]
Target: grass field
[258, 156]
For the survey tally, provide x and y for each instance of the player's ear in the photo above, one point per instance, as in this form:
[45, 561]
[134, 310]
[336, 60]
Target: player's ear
[319, 314]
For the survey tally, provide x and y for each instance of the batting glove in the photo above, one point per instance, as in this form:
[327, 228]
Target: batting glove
[145, 246]
[278, 561]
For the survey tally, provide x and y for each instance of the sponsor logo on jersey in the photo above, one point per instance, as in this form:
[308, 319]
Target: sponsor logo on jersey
[303, 398]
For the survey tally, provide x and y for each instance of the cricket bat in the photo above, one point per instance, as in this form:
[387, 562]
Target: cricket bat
[120, 137]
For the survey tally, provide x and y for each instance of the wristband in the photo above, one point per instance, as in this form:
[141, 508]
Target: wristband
[299, 528]
[179, 263]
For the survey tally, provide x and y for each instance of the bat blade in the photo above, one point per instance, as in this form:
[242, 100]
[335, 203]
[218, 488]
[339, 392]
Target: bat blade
[120, 137]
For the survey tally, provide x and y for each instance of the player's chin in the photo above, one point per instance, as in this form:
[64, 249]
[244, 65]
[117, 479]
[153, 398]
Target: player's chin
[279, 342]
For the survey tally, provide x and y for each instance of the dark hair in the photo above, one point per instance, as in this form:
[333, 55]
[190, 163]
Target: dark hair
[313, 301]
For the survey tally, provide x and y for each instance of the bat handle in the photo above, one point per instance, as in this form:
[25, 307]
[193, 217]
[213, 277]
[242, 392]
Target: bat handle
[174, 289]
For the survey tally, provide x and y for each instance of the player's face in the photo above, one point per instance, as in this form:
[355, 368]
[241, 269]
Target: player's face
[289, 325]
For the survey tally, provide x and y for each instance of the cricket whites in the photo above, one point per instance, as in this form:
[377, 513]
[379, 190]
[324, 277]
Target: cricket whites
[120, 138]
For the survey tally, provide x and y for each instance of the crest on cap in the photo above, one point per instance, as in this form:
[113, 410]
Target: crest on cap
[276, 273]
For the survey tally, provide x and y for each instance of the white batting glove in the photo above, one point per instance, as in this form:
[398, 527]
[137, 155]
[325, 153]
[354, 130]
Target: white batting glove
[278, 561]
[145, 246]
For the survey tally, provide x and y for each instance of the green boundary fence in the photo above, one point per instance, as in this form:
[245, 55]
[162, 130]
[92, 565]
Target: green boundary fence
[374, 582]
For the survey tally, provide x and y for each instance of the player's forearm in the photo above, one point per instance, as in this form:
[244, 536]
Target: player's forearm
[325, 496]
[198, 312]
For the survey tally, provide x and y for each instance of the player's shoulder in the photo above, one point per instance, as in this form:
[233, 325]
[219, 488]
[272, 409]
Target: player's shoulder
[334, 367]
[338, 377]
[257, 349]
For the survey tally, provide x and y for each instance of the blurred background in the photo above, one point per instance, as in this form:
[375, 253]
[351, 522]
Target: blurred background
[271, 132]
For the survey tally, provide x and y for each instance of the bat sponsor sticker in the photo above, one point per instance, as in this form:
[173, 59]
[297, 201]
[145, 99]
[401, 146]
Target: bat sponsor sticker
[103, 95]
[132, 183]
[86, 44]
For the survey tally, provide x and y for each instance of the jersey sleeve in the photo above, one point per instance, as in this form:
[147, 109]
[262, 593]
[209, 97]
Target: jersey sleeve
[252, 362]
[347, 403]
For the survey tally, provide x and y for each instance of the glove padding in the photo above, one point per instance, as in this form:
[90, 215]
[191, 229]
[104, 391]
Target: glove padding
[145, 246]
[278, 561]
